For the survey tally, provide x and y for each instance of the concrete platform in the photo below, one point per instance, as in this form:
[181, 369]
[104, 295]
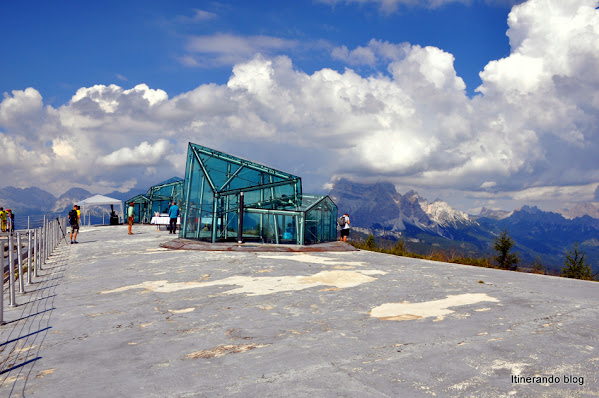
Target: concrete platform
[121, 316]
[188, 244]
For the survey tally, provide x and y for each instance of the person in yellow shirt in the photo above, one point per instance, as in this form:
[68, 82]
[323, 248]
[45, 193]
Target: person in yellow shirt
[3, 219]
[78, 215]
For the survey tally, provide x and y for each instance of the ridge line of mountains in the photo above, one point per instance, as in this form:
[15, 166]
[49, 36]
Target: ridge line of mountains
[33, 200]
[425, 226]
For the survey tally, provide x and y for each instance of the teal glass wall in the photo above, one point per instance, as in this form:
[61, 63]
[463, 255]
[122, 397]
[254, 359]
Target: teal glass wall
[140, 206]
[161, 196]
[158, 200]
[275, 211]
[321, 222]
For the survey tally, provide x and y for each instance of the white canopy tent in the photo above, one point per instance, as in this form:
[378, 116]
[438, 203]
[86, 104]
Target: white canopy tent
[100, 200]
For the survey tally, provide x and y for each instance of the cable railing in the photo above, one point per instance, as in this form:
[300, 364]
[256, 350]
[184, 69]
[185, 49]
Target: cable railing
[37, 220]
[24, 253]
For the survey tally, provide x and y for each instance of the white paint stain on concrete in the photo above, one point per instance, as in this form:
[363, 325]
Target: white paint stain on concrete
[183, 311]
[257, 286]
[436, 308]
[516, 368]
[311, 259]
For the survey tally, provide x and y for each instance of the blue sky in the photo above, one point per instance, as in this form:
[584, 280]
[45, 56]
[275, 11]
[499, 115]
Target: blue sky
[60, 47]
[478, 102]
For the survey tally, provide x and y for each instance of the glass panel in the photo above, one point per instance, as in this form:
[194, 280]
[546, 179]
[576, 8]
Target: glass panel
[136, 212]
[251, 198]
[251, 227]
[246, 178]
[289, 231]
[232, 169]
[320, 222]
[199, 193]
[206, 223]
[217, 170]
[192, 225]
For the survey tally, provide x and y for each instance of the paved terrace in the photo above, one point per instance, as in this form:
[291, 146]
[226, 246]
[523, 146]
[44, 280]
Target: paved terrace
[122, 316]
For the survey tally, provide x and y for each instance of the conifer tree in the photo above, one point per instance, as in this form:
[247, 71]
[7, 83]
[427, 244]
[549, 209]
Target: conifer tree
[505, 259]
[399, 249]
[370, 243]
[575, 265]
[538, 267]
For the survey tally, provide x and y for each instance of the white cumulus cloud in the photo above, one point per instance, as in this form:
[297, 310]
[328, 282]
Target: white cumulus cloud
[532, 132]
[144, 154]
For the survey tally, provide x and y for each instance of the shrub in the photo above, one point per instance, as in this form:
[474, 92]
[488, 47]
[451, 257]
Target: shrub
[399, 249]
[575, 265]
[370, 243]
[505, 259]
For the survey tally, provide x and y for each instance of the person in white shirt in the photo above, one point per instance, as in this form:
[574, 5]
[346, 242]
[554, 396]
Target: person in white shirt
[345, 229]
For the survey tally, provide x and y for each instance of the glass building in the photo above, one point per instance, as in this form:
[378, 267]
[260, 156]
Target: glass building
[157, 200]
[275, 210]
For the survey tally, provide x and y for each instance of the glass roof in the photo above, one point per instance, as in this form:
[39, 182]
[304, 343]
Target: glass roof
[302, 203]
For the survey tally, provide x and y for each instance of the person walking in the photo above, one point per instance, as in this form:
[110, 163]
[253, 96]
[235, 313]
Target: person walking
[173, 213]
[345, 228]
[130, 216]
[74, 221]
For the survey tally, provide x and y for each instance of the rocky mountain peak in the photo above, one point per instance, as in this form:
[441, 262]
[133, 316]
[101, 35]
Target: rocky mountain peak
[443, 214]
[381, 206]
[580, 210]
[494, 214]
[530, 209]
[67, 199]
[75, 193]
[412, 196]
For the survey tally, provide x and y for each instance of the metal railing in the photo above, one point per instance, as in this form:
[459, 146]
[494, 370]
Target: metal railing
[28, 249]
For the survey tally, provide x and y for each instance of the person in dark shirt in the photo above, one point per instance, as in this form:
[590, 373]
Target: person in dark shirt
[74, 221]
[173, 213]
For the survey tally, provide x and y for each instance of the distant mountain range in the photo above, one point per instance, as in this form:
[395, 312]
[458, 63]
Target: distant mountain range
[426, 226]
[35, 201]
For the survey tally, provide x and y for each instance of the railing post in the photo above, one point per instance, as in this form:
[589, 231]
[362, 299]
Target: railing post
[39, 248]
[11, 272]
[36, 251]
[2, 284]
[45, 237]
[240, 220]
[29, 254]
[44, 241]
[62, 231]
[20, 260]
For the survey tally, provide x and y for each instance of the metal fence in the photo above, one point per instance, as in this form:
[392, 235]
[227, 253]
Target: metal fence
[24, 253]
